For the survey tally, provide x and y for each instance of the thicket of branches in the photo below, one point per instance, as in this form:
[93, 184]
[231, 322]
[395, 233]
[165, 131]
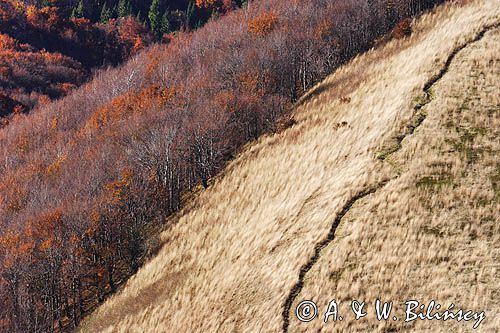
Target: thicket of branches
[44, 55]
[49, 47]
[160, 16]
[84, 177]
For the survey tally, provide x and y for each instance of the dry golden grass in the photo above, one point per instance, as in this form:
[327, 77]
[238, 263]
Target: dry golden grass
[433, 232]
[229, 262]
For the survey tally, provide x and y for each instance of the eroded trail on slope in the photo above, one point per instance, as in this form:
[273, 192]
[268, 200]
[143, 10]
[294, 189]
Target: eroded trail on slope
[417, 119]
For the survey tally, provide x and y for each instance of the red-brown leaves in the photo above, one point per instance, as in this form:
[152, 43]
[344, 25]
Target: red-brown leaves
[262, 24]
[44, 18]
[249, 81]
[16, 201]
[118, 189]
[124, 106]
[7, 42]
[215, 5]
[206, 3]
[76, 46]
[324, 28]
[138, 44]
[402, 29]
[39, 235]
[15, 246]
[54, 168]
[152, 67]
[45, 230]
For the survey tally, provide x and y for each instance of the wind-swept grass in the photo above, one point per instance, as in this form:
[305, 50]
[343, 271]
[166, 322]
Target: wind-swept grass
[232, 257]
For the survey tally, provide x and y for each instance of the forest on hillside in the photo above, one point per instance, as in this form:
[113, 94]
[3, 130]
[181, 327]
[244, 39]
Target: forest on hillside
[49, 47]
[85, 177]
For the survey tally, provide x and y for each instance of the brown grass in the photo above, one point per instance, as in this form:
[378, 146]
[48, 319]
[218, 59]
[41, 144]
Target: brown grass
[232, 258]
[432, 232]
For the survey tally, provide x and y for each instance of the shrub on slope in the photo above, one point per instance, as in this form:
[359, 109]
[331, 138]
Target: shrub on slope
[101, 165]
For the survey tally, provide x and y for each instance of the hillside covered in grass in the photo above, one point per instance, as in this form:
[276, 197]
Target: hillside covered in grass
[87, 179]
[385, 186]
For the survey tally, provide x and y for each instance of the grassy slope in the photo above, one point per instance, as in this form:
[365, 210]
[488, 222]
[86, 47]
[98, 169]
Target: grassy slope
[433, 232]
[233, 258]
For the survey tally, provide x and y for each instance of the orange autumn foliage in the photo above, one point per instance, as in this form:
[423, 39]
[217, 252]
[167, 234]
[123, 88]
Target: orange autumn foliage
[46, 17]
[117, 189]
[402, 29]
[16, 246]
[18, 109]
[54, 123]
[43, 100]
[76, 46]
[138, 44]
[323, 29]
[66, 87]
[32, 14]
[17, 202]
[44, 229]
[263, 24]
[215, 5]
[53, 168]
[7, 42]
[249, 81]
[205, 3]
[50, 13]
[152, 67]
[123, 106]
